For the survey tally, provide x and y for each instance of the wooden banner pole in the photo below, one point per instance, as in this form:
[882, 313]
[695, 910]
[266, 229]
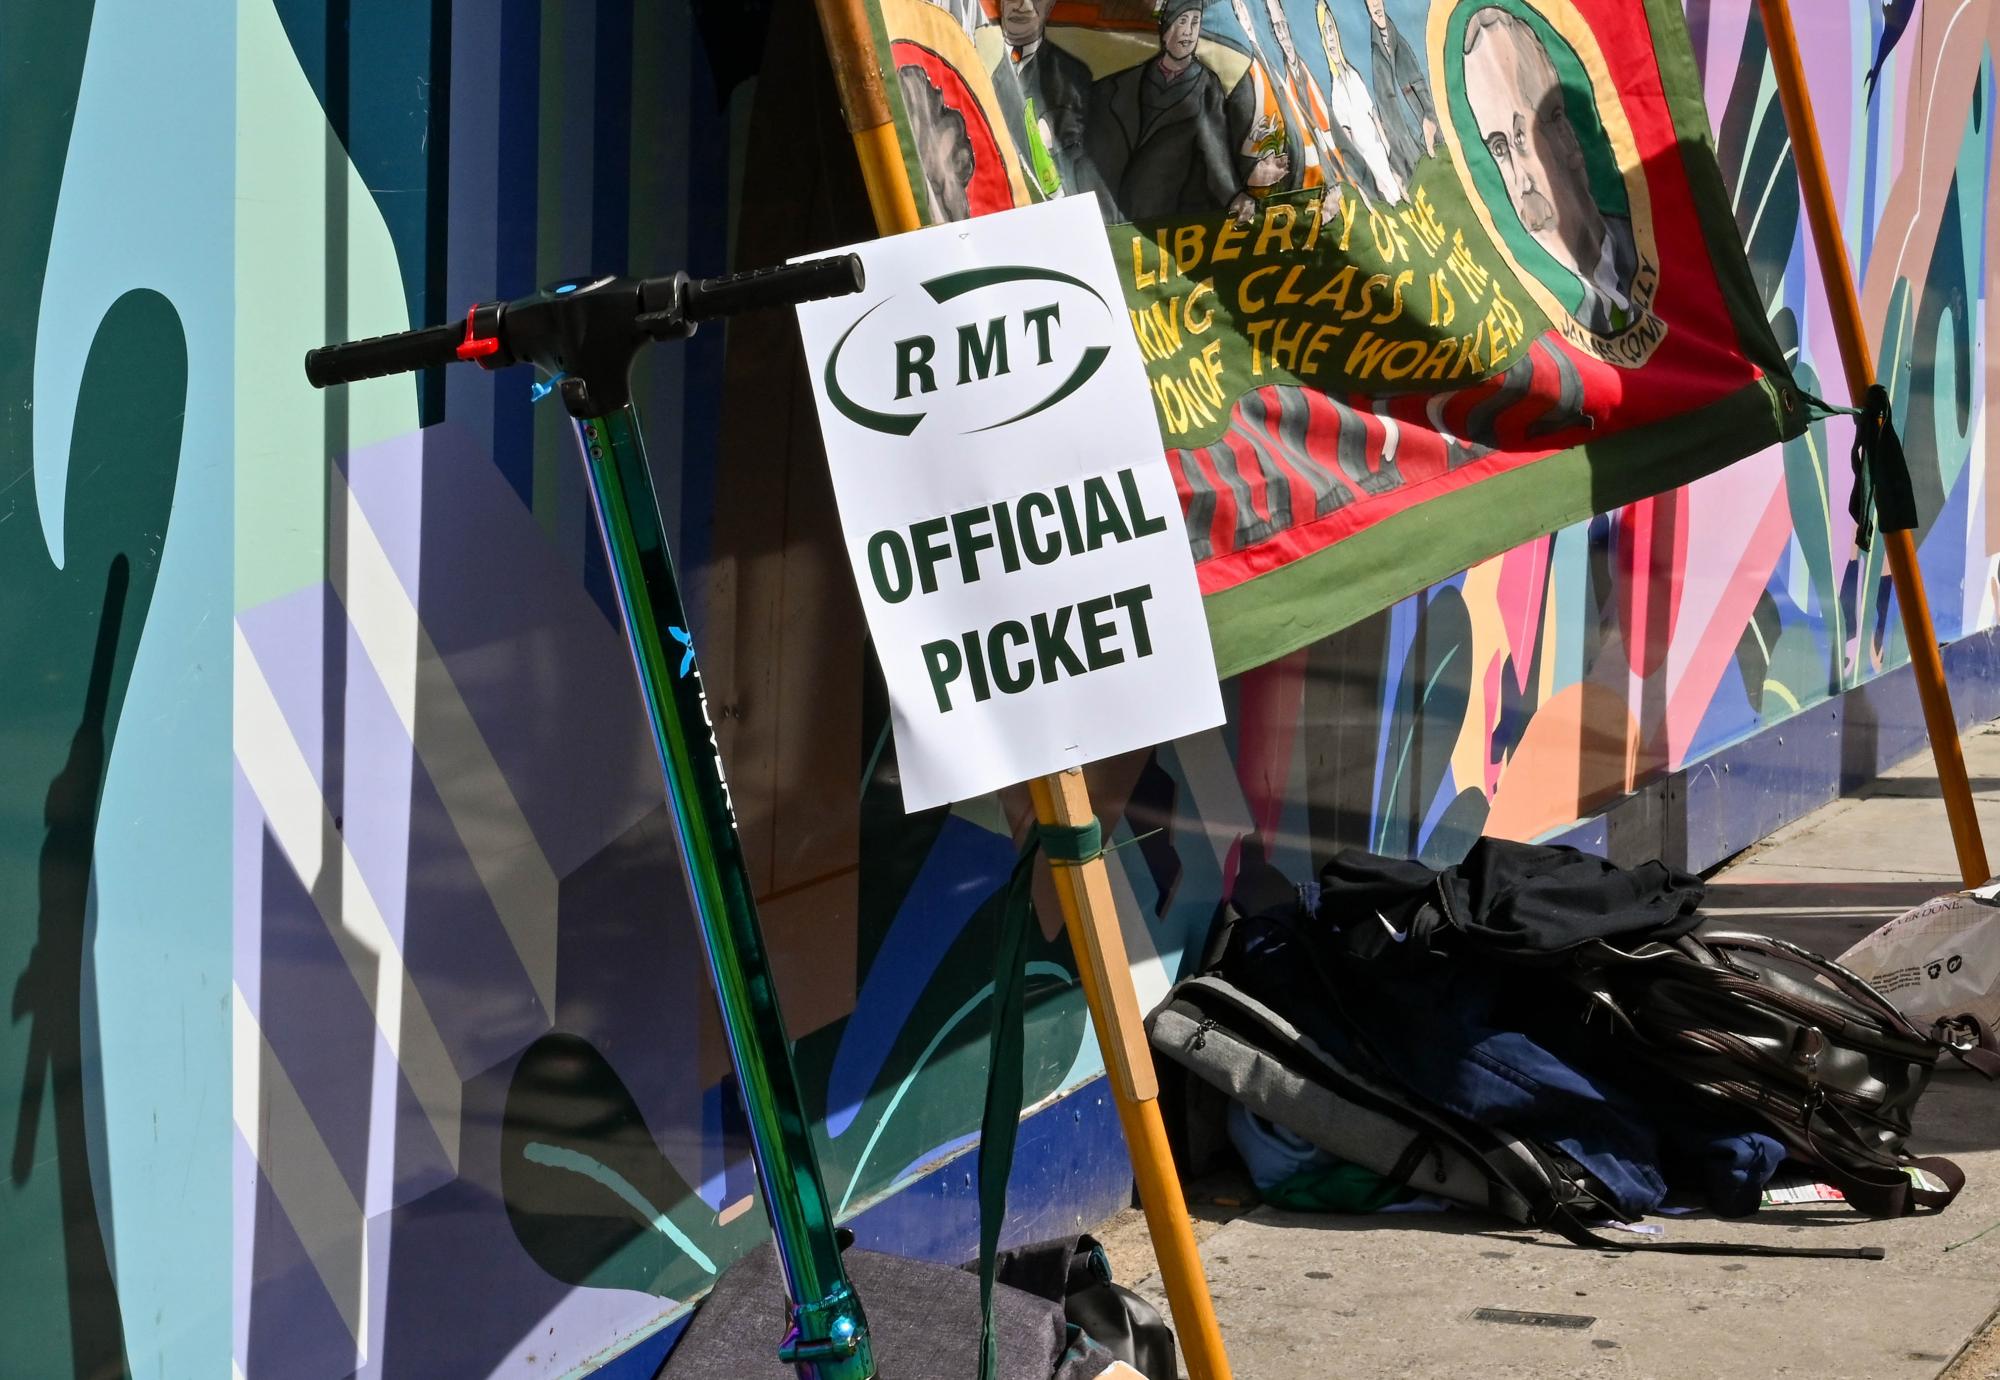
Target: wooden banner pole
[1855, 356]
[1083, 890]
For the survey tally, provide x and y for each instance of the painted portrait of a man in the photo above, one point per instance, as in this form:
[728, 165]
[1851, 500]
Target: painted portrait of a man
[1523, 118]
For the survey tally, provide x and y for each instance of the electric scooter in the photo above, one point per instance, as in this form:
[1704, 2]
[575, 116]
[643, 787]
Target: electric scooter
[584, 335]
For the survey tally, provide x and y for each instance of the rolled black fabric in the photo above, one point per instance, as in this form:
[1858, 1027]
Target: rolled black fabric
[1882, 489]
[1510, 899]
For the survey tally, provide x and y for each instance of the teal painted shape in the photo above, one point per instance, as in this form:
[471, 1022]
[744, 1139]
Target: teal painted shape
[132, 374]
[922, 1064]
[576, 1162]
[1818, 526]
[68, 685]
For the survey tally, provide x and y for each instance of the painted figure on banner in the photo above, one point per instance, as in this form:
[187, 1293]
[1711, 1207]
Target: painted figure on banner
[1340, 162]
[1044, 96]
[944, 149]
[967, 14]
[1402, 92]
[1279, 117]
[1521, 109]
[1354, 114]
[1164, 138]
[1270, 143]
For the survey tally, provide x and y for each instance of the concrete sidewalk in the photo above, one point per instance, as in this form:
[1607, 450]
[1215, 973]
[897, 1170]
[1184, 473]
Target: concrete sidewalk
[1357, 1297]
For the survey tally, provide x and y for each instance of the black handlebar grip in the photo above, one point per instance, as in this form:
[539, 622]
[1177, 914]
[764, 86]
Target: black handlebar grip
[401, 353]
[782, 285]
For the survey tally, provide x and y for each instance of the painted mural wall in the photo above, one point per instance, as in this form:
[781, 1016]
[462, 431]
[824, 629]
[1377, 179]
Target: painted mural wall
[356, 1024]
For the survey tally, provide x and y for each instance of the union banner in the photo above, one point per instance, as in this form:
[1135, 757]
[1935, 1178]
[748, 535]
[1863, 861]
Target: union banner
[1414, 282]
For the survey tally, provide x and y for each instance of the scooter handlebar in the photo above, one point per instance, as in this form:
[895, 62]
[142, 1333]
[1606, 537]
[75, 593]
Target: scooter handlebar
[401, 353]
[661, 300]
[782, 285]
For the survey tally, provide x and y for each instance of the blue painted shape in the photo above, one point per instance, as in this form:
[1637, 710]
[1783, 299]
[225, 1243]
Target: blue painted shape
[1038, 968]
[1726, 719]
[1742, 793]
[965, 865]
[1070, 1172]
[513, 209]
[645, 1358]
[611, 145]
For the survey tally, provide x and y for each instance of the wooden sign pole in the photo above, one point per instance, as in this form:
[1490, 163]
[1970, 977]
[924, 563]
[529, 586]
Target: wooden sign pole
[1083, 889]
[1855, 357]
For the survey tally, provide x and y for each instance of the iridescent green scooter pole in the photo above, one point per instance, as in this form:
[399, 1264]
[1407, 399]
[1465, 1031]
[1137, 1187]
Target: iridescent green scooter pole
[829, 1338]
[585, 334]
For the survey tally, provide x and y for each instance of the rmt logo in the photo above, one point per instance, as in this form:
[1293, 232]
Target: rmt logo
[1018, 340]
[982, 350]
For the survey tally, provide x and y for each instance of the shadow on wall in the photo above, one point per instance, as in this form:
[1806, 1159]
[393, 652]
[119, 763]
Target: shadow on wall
[66, 667]
[50, 994]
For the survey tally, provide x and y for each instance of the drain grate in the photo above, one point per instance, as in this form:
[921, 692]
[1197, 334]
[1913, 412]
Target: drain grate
[1574, 1322]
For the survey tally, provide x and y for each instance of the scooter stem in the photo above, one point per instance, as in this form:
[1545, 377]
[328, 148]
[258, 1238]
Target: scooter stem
[829, 1335]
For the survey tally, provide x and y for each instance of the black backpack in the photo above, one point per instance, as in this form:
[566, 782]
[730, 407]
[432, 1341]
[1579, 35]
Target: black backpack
[1817, 1057]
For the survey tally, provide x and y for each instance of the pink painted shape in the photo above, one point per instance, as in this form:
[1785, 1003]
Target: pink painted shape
[1523, 577]
[1269, 701]
[1748, 562]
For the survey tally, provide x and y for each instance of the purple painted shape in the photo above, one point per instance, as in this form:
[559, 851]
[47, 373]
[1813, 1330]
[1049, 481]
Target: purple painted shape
[323, 1033]
[294, 1327]
[465, 1299]
[244, 1185]
[457, 950]
[419, 1164]
[1827, 47]
[405, 846]
[547, 679]
[965, 865]
[386, 480]
[315, 1017]
[287, 637]
[633, 981]
[469, 1302]
[379, 769]
[247, 903]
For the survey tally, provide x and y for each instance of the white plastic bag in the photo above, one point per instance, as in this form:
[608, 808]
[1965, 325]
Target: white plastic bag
[1941, 959]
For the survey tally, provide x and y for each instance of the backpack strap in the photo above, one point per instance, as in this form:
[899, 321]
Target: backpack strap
[1550, 1211]
[1559, 1218]
[1969, 1040]
[1910, 1193]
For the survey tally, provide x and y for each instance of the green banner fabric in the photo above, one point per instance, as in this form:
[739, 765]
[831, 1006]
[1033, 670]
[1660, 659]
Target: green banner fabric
[1414, 283]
